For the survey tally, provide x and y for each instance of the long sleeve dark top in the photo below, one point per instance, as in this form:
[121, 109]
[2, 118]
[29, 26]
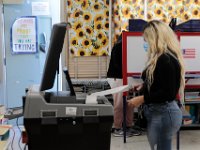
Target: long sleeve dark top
[115, 66]
[166, 81]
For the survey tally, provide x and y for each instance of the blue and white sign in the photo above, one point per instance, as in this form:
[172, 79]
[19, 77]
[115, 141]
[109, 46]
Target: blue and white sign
[23, 35]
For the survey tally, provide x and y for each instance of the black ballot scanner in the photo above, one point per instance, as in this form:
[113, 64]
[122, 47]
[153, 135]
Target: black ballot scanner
[59, 120]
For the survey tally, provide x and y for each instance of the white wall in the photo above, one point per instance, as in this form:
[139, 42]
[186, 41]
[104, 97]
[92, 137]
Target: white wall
[55, 10]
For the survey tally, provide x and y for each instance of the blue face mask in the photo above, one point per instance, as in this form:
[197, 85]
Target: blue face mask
[145, 46]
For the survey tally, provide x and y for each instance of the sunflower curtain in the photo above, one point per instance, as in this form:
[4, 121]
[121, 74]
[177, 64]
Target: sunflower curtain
[164, 10]
[90, 20]
[161, 10]
[90, 27]
[123, 10]
[188, 9]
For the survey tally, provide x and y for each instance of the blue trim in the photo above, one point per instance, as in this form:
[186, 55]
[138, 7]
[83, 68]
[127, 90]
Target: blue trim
[36, 37]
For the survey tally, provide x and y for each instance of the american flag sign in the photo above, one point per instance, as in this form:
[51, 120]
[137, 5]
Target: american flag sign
[189, 53]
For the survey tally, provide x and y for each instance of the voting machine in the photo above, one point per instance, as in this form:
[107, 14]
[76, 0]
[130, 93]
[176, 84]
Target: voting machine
[60, 119]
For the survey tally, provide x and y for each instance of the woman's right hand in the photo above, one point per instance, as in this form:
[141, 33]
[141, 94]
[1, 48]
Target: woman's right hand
[136, 101]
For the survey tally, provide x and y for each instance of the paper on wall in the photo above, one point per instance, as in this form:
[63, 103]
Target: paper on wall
[92, 99]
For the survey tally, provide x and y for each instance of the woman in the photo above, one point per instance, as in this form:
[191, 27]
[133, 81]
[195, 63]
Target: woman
[163, 79]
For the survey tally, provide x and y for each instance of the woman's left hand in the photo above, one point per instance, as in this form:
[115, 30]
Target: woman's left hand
[136, 101]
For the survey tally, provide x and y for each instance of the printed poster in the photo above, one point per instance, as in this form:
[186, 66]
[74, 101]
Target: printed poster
[23, 35]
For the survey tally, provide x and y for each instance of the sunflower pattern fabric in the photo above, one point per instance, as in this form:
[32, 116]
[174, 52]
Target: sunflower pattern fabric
[123, 10]
[90, 20]
[160, 9]
[188, 9]
[130, 9]
[90, 27]
[164, 10]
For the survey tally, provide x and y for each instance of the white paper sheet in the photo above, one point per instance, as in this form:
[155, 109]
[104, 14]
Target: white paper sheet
[92, 99]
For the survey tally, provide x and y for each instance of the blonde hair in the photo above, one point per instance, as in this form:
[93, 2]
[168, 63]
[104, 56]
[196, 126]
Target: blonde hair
[162, 39]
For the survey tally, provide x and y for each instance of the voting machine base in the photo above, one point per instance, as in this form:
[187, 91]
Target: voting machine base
[86, 134]
[70, 125]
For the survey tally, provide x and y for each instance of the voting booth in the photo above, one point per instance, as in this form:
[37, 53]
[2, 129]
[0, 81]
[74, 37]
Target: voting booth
[61, 119]
[135, 57]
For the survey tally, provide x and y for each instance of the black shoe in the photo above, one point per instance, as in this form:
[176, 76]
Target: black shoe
[133, 132]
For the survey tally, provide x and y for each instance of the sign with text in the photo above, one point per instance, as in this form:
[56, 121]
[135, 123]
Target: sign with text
[40, 8]
[23, 35]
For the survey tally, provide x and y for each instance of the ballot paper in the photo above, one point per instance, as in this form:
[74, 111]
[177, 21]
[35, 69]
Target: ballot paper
[92, 98]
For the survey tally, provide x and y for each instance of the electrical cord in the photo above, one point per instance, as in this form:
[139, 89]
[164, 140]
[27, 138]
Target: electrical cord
[17, 122]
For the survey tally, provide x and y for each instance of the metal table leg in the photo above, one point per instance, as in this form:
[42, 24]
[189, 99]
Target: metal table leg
[178, 140]
[124, 117]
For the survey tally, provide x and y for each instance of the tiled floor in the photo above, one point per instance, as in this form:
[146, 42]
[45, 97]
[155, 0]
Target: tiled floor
[189, 140]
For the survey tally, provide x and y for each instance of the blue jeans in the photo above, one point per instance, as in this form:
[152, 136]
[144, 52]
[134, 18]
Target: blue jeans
[163, 121]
